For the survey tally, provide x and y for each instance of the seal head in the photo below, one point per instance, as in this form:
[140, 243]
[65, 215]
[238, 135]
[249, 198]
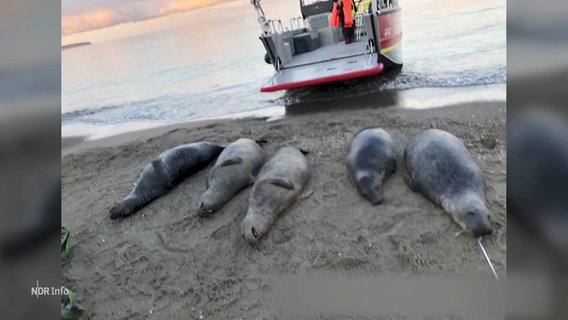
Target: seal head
[472, 215]
[209, 202]
[255, 226]
[370, 187]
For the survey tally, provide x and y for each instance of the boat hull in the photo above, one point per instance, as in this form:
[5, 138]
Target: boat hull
[324, 72]
[390, 35]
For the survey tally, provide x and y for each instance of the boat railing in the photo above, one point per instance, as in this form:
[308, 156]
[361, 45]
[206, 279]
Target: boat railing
[297, 23]
[359, 27]
[387, 4]
[276, 26]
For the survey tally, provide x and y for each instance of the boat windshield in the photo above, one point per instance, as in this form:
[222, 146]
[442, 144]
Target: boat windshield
[313, 7]
[310, 2]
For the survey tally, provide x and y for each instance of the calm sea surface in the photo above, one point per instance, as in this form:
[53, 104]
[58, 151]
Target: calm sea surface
[214, 65]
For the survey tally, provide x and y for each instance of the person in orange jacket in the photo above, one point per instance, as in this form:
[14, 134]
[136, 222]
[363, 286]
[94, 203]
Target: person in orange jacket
[342, 16]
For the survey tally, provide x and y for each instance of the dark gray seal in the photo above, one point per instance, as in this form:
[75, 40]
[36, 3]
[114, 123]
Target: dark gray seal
[442, 169]
[164, 172]
[234, 170]
[371, 160]
[277, 187]
[537, 176]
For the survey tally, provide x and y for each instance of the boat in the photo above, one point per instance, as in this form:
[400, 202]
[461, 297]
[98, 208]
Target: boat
[310, 52]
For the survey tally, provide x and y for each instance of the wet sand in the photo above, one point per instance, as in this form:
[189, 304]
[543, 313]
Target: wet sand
[162, 263]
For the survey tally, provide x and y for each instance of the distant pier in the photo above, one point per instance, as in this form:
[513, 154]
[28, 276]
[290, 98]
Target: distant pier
[75, 45]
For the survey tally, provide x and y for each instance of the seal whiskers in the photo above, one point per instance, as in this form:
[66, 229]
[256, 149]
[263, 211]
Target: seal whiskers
[459, 233]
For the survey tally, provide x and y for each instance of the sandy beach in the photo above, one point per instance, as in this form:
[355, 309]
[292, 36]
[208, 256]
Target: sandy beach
[163, 263]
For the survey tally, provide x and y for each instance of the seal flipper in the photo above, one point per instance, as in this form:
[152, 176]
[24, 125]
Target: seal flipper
[252, 179]
[116, 210]
[124, 208]
[157, 163]
[392, 166]
[410, 183]
[306, 194]
[281, 182]
[230, 162]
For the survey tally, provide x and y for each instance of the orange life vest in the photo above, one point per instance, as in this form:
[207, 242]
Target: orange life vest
[347, 15]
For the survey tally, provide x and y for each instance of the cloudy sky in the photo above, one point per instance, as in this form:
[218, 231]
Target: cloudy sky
[84, 15]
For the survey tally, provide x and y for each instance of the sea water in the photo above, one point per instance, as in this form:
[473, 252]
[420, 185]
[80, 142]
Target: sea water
[211, 64]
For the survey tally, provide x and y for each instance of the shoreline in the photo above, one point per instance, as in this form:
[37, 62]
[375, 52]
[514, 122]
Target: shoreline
[410, 99]
[72, 144]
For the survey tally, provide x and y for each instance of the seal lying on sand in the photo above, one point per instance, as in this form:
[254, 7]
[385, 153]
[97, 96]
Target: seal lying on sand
[277, 186]
[234, 170]
[441, 169]
[537, 176]
[164, 172]
[370, 161]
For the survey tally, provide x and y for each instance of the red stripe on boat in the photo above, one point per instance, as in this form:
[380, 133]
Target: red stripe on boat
[344, 76]
[389, 42]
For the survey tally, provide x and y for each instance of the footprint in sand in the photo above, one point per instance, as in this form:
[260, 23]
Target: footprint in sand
[281, 236]
[221, 232]
[330, 189]
[336, 125]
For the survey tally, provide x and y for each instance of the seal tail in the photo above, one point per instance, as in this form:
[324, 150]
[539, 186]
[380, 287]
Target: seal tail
[124, 208]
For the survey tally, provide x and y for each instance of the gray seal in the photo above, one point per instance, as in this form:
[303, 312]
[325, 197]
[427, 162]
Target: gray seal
[234, 170]
[442, 170]
[277, 186]
[370, 162]
[537, 176]
[163, 173]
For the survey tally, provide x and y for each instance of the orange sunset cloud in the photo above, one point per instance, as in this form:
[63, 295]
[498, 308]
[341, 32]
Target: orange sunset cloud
[99, 18]
[122, 12]
[185, 5]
